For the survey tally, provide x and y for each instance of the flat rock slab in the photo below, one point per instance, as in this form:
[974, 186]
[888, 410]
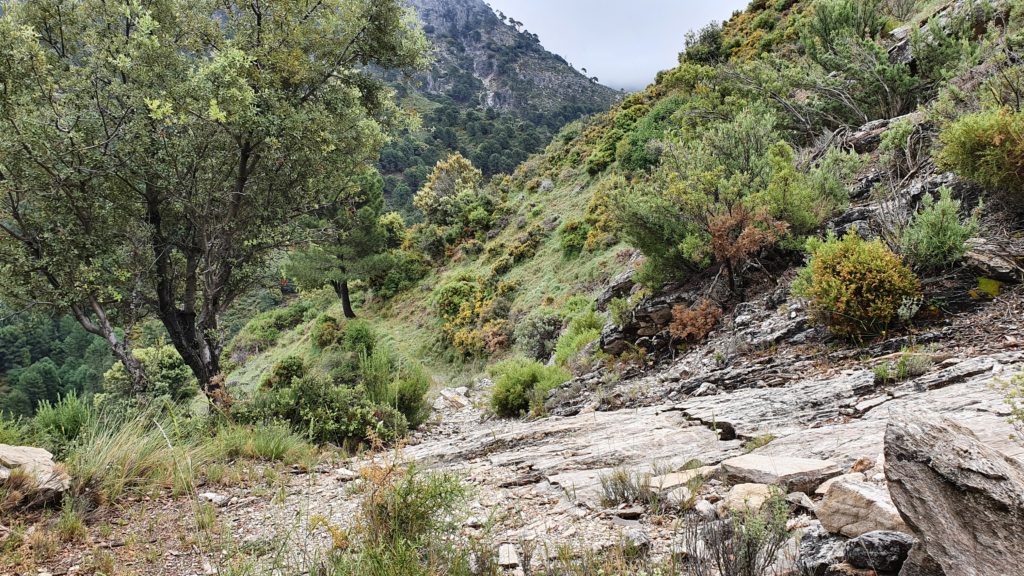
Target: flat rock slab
[963, 391]
[574, 452]
[793, 474]
[750, 497]
[682, 479]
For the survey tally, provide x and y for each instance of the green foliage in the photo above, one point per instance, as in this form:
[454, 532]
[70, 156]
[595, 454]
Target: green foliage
[411, 507]
[351, 238]
[359, 337]
[522, 385]
[572, 237]
[584, 327]
[62, 423]
[409, 391]
[474, 314]
[166, 375]
[13, 431]
[723, 195]
[394, 271]
[638, 150]
[987, 147]
[43, 357]
[936, 238]
[535, 335]
[279, 103]
[263, 330]
[855, 287]
[324, 412]
[834, 22]
[327, 331]
[454, 198]
[271, 443]
[703, 46]
[403, 522]
[285, 372]
[805, 199]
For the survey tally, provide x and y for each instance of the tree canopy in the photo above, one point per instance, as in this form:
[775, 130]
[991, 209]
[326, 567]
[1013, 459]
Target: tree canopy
[153, 154]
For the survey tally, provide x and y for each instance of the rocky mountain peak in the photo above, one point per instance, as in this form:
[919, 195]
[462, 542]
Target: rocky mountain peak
[489, 60]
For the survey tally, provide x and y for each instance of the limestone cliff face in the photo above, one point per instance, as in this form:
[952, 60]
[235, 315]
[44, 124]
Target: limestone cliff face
[482, 59]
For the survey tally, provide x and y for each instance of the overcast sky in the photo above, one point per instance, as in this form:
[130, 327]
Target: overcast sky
[622, 42]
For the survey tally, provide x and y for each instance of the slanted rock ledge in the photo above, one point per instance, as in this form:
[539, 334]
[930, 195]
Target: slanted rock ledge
[963, 500]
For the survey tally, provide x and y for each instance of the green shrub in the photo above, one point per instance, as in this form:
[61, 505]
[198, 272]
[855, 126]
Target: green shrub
[395, 271]
[166, 375]
[13, 431]
[359, 337]
[449, 297]
[406, 505]
[571, 344]
[62, 423]
[377, 371]
[284, 372]
[403, 387]
[521, 385]
[536, 334]
[987, 147]
[326, 331]
[324, 412]
[937, 237]
[572, 237]
[585, 327]
[410, 393]
[855, 287]
[262, 331]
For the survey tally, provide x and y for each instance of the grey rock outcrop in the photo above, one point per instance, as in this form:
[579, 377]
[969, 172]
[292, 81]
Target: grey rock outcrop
[49, 480]
[961, 498]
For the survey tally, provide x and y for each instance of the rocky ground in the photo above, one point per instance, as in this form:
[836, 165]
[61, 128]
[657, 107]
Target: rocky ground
[766, 401]
[782, 407]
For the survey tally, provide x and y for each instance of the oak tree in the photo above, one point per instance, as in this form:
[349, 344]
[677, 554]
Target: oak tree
[153, 153]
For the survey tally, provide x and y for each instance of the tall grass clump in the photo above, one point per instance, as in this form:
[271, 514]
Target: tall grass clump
[62, 423]
[404, 520]
[118, 456]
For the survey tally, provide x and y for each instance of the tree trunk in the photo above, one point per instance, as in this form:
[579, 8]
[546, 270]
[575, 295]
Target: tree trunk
[194, 337]
[119, 348]
[341, 288]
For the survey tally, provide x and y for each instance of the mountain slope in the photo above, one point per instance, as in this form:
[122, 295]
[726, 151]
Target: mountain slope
[493, 93]
[482, 59]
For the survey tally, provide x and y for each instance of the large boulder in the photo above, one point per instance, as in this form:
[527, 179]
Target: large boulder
[853, 508]
[794, 474]
[963, 500]
[46, 480]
